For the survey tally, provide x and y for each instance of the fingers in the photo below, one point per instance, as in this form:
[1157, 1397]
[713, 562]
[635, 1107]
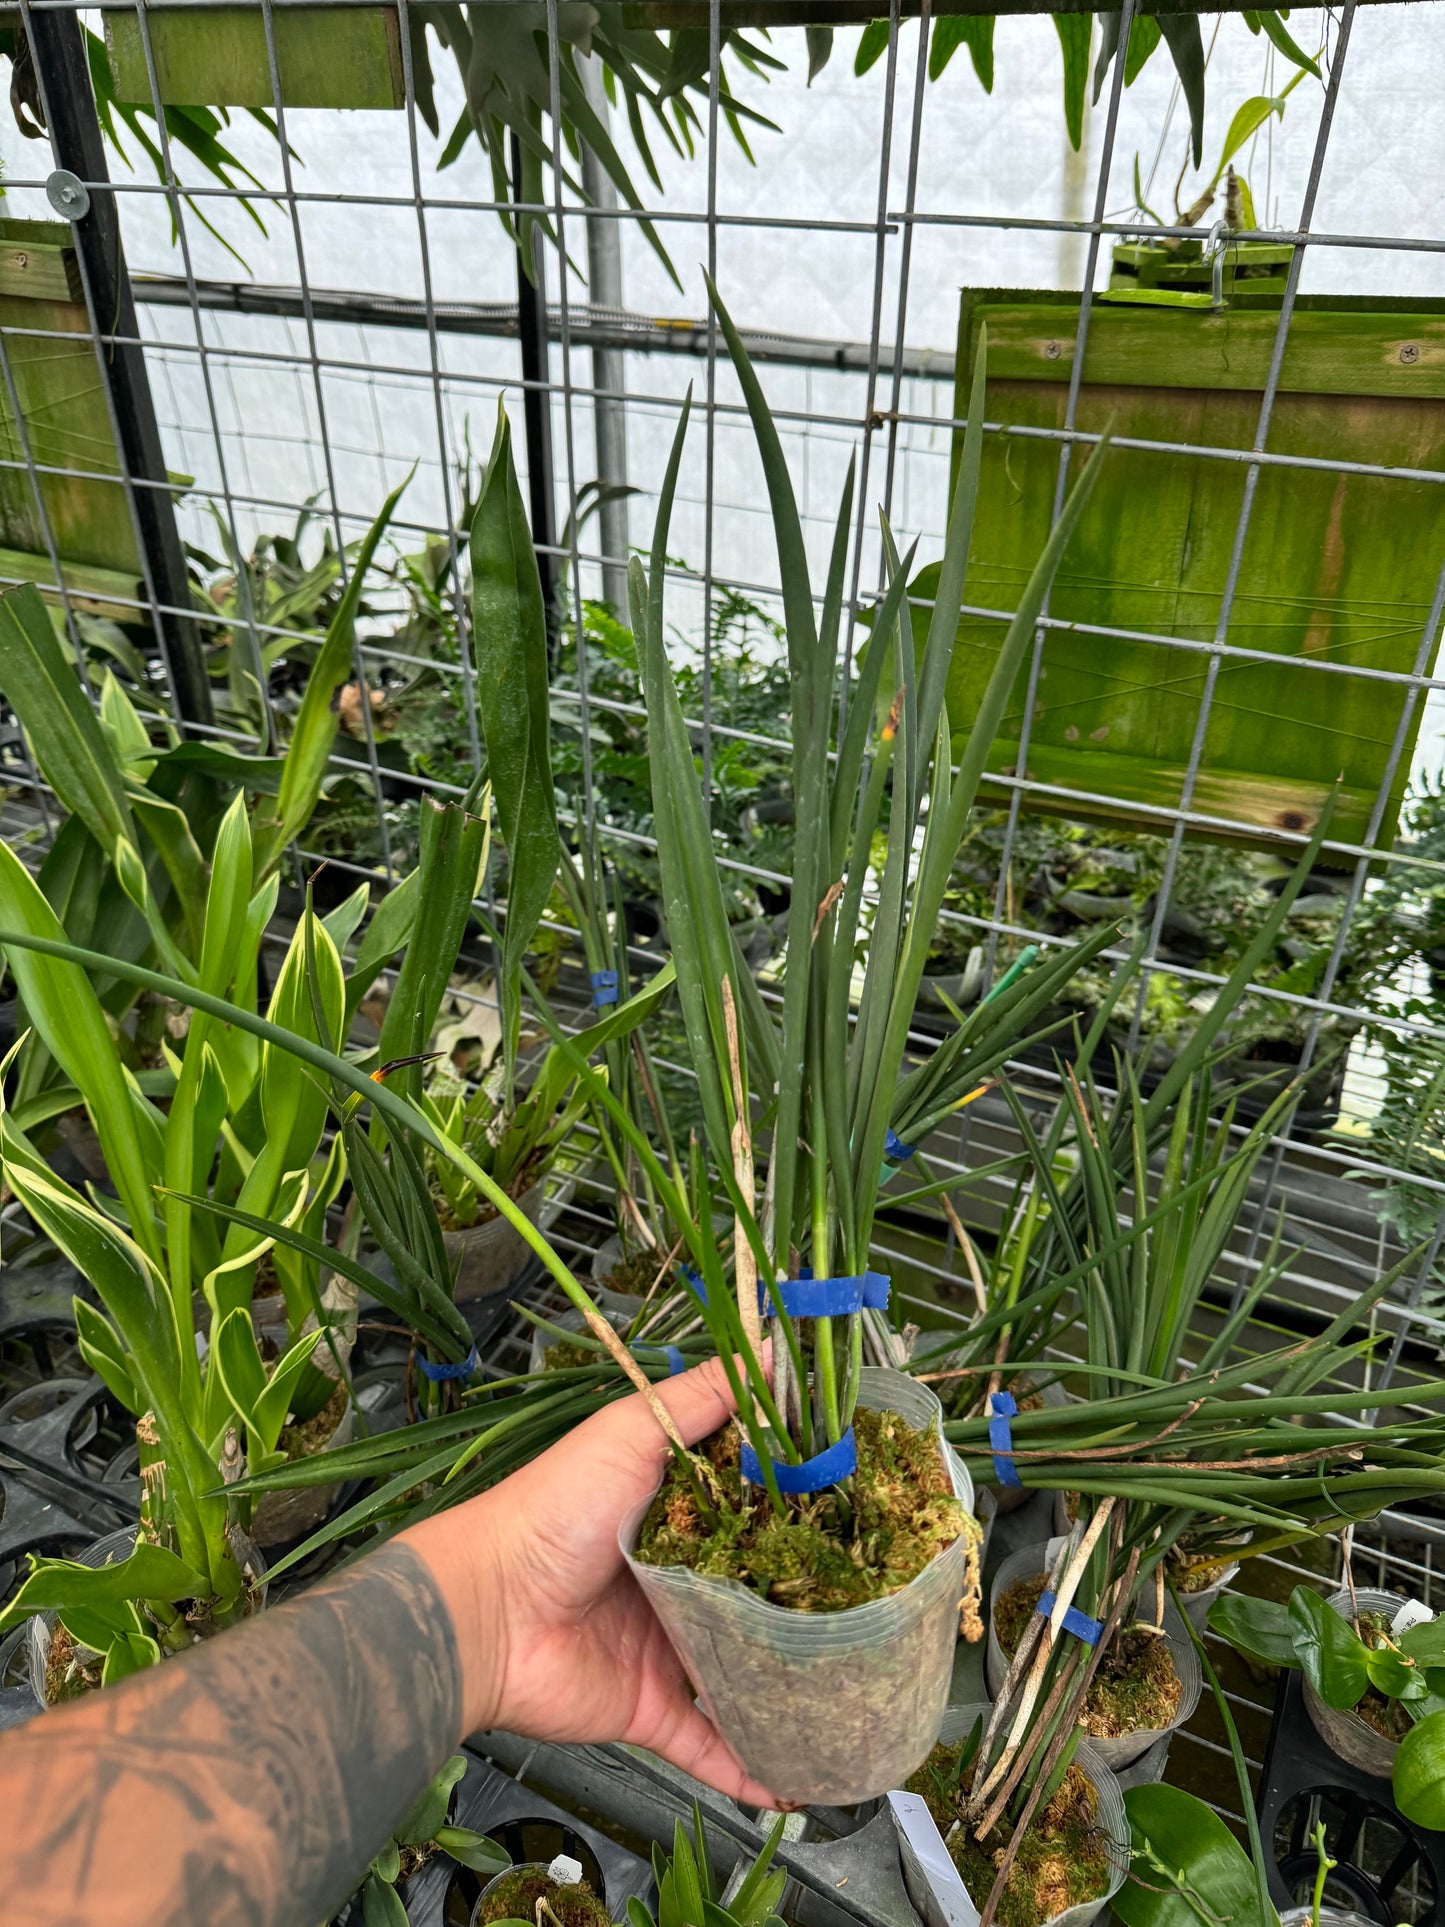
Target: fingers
[698, 1402]
[694, 1744]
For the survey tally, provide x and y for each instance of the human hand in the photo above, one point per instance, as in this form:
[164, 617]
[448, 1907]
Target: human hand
[557, 1640]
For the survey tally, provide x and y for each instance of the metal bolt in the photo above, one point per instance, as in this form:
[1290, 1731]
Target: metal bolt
[1409, 351]
[67, 194]
[1052, 351]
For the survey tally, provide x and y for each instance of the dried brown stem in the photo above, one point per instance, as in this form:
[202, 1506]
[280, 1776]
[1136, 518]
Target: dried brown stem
[1056, 1747]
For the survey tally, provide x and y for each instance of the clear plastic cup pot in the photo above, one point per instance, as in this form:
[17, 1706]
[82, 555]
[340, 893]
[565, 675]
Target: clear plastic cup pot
[822, 1707]
[491, 1256]
[545, 1868]
[1123, 1749]
[927, 1867]
[1342, 1730]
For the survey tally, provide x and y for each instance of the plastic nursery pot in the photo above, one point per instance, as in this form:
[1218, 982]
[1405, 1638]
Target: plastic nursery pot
[479, 1912]
[1344, 1732]
[829, 1708]
[284, 1518]
[1195, 1605]
[1122, 1749]
[935, 1885]
[491, 1256]
[570, 1320]
[40, 1629]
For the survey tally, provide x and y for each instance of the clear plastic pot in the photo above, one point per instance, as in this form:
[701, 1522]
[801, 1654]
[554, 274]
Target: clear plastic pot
[1123, 1749]
[930, 1894]
[284, 1518]
[822, 1707]
[1344, 1732]
[523, 1866]
[1196, 1604]
[491, 1256]
[570, 1320]
[40, 1628]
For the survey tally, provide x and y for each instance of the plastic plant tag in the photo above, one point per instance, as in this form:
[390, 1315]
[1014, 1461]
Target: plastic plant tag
[1053, 1549]
[1412, 1613]
[934, 1883]
[565, 1871]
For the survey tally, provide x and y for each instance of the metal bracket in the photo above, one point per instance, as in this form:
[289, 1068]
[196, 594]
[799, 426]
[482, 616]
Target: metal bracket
[68, 194]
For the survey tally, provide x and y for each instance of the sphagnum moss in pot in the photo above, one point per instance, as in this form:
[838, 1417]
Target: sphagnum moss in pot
[810, 1563]
[1070, 1863]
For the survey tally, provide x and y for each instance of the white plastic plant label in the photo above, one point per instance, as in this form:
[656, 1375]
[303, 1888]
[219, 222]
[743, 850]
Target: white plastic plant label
[1412, 1613]
[933, 1882]
[1053, 1549]
[565, 1871]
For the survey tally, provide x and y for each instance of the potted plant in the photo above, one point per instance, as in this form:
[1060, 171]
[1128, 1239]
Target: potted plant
[797, 1662]
[1373, 1663]
[1066, 1867]
[424, 1831]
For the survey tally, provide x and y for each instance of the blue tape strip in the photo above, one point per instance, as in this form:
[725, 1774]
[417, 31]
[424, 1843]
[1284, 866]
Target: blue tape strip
[436, 1373]
[604, 988]
[840, 1461]
[675, 1361]
[894, 1147]
[1001, 1408]
[1091, 1631]
[810, 1297]
[695, 1282]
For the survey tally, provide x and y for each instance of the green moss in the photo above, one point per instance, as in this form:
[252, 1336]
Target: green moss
[1137, 1687]
[634, 1275]
[899, 1513]
[516, 1894]
[564, 1356]
[1062, 1860]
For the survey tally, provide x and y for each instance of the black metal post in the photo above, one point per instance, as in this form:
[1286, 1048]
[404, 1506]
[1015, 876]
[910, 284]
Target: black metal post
[537, 402]
[57, 47]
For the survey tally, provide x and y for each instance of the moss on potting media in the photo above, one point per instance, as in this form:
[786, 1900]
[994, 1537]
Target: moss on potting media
[304, 1441]
[901, 1513]
[564, 1356]
[633, 1276]
[1062, 1860]
[516, 1894]
[1137, 1687]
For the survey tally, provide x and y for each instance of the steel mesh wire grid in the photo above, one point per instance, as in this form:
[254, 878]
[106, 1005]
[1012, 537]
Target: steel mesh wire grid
[284, 391]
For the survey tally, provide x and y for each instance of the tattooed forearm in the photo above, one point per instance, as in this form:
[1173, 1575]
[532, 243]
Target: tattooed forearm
[250, 1781]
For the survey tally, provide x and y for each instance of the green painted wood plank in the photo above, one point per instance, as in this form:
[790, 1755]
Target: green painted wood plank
[217, 57]
[1327, 353]
[1336, 567]
[63, 406]
[99, 592]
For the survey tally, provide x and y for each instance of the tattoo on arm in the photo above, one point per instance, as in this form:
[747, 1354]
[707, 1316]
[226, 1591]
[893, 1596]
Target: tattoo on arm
[251, 1781]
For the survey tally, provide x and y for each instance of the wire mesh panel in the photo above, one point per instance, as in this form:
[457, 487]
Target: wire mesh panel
[225, 339]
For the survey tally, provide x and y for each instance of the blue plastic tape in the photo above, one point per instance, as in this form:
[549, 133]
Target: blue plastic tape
[895, 1148]
[675, 1361]
[604, 988]
[809, 1297]
[436, 1373]
[1001, 1408]
[840, 1461]
[1091, 1631]
[696, 1284]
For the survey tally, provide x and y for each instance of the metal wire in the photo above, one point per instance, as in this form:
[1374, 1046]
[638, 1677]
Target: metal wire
[866, 389]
